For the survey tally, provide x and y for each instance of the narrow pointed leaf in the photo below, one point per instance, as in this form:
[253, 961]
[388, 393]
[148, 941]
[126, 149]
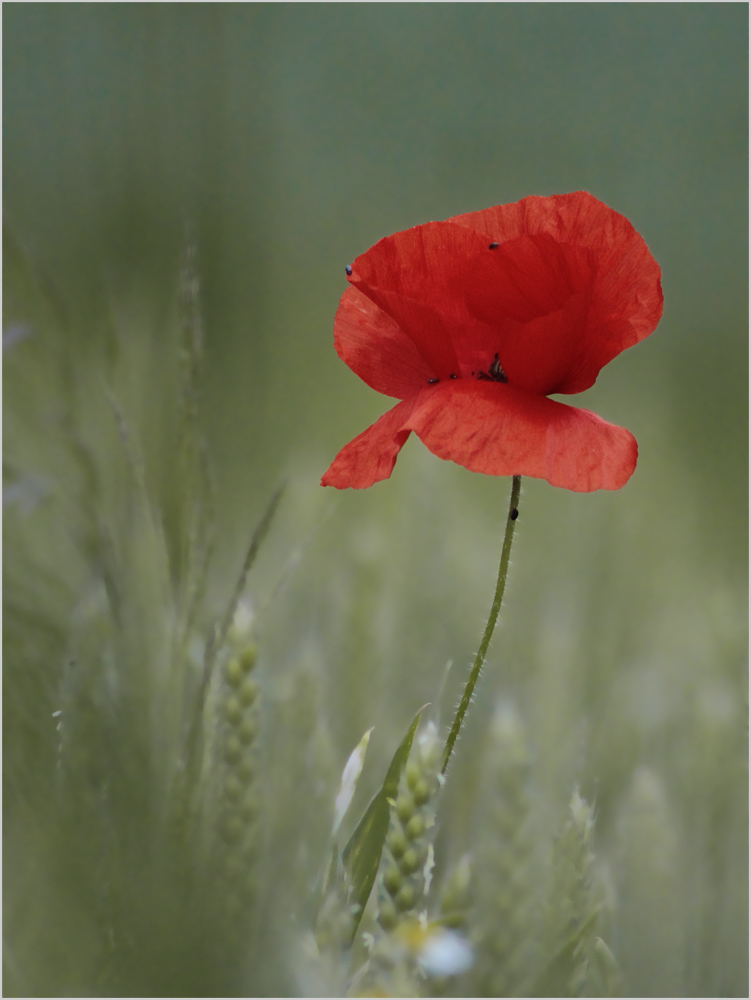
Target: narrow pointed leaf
[604, 971]
[350, 777]
[362, 854]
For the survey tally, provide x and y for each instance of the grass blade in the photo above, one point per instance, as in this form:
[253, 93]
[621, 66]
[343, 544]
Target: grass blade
[362, 853]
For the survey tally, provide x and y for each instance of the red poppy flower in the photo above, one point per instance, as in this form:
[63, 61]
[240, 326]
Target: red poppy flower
[472, 323]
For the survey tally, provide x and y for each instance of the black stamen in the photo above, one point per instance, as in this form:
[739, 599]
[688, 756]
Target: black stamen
[494, 246]
[453, 376]
[432, 381]
[494, 374]
[348, 269]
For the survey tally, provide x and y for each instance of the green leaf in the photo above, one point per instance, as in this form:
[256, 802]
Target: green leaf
[350, 777]
[604, 971]
[362, 854]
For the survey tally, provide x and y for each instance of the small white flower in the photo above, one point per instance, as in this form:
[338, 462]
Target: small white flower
[445, 953]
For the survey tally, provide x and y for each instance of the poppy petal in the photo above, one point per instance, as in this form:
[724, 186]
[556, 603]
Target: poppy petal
[419, 277]
[536, 293]
[624, 279]
[371, 456]
[539, 355]
[577, 218]
[500, 430]
[372, 344]
[497, 310]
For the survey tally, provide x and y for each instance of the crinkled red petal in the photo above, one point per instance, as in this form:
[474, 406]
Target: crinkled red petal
[419, 278]
[503, 431]
[625, 290]
[536, 294]
[371, 456]
[577, 218]
[376, 348]
[556, 287]
[495, 429]
[570, 286]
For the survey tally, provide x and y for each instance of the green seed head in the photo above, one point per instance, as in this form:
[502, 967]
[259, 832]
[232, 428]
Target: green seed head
[410, 861]
[431, 755]
[415, 827]
[247, 729]
[413, 773]
[421, 791]
[392, 881]
[248, 658]
[233, 750]
[405, 898]
[234, 671]
[405, 808]
[248, 691]
[387, 914]
[234, 711]
[396, 843]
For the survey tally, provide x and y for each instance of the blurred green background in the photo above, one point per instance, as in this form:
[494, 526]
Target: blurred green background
[288, 138]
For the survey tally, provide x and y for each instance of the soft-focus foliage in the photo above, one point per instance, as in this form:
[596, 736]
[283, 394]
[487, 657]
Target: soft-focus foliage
[168, 830]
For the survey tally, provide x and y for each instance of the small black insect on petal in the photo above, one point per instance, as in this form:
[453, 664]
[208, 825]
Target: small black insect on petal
[514, 514]
[453, 376]
[496, 371]
[494, 246]
[348, 269]
[494, 374]
[432, 381]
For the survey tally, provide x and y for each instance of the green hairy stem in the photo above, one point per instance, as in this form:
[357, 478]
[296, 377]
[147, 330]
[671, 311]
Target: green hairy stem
[513, 513]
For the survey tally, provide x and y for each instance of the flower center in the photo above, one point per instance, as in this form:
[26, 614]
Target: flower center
[494, 374]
